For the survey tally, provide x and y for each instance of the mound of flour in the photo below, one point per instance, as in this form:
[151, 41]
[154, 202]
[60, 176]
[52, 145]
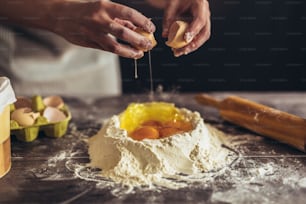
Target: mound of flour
[164, 162]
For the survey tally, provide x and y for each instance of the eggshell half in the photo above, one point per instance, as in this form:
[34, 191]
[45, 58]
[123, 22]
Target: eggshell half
[24, 116]
[176, 35]
[54, 115]
[54, 101]
[150, 36]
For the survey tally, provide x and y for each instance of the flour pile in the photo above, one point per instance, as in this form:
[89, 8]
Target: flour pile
[169, 162]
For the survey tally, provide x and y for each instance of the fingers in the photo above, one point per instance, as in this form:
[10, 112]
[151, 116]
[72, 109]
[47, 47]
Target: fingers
[197, 41]
[125, 23]
[199, 13]
[198, 32]
[170, 16]
[109, 43]
[126, 13]
[129, 36]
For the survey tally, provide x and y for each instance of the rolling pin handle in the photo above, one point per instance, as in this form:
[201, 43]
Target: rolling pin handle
[207, 100]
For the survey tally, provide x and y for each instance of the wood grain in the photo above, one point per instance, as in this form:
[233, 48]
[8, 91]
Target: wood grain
[267, 121]
[38, 177]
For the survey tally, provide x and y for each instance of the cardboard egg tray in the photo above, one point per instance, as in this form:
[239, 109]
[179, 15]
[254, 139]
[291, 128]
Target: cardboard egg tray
[41, 125]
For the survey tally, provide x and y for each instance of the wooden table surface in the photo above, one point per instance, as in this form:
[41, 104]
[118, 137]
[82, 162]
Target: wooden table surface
[54, 170]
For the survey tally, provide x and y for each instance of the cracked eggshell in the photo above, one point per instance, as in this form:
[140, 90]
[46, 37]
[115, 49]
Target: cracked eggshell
[149, 36]
[24, 116]
[54, 115]
[176, 35]
[54, 101]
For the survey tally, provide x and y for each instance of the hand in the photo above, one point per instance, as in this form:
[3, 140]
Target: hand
[199, 28]
[96, 24]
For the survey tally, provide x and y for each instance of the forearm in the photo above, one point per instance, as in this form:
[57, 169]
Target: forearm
[32, 13]
[86, 23]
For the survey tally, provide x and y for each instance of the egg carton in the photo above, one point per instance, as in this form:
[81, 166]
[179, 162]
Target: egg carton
[41, 124]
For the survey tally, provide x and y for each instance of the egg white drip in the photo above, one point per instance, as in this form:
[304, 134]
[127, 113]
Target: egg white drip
[152, 161]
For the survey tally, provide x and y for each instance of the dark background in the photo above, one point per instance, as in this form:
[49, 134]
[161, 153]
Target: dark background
[255, 45]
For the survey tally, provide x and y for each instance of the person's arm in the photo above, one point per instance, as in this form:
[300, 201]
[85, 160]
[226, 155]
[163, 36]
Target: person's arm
[198, 14]
[87, 23]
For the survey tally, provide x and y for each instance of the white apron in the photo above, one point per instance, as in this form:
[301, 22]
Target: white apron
[40, 62]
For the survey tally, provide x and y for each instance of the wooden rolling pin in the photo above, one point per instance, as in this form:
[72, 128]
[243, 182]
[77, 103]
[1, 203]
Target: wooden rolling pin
[267, 121]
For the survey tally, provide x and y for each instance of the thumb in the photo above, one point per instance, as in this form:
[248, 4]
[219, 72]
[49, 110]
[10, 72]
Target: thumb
[199, 14]
[194, 28]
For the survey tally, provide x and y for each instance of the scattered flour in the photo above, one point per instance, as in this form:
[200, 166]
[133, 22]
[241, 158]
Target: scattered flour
[52, 162]
[261, 176]
[249, 179]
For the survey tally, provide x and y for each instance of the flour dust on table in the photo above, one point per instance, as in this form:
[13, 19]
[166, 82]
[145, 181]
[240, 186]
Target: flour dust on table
[247, 179]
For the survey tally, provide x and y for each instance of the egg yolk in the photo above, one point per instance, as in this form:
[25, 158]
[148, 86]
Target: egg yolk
[153, 120]
[145, 132]
[168, 131]
[152, 129]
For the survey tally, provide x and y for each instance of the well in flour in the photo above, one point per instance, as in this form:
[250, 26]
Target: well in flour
[169, 162]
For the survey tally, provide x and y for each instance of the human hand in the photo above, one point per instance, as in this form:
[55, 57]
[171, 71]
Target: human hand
[198, 31]
[96, 24]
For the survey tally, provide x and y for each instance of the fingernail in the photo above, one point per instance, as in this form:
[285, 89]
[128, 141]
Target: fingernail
[187, 51]
[138, 56]
[148, 44]
[188, 37]
[177, 54]
[150, 26]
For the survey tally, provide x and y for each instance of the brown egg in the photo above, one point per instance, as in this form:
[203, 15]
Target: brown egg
[150, 36]
[176, 35]
[24, 116]
[23, 102]
[54, 115]
[54, 101]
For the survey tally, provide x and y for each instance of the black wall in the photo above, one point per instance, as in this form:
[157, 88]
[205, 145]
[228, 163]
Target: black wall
[255, 45]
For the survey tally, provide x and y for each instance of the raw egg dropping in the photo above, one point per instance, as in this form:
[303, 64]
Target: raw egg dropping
[153, 120]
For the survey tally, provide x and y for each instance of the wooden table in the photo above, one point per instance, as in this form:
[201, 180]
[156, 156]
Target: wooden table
[265, 171]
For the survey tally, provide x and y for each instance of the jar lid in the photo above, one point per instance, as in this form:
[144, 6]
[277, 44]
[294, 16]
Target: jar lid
[7, 95]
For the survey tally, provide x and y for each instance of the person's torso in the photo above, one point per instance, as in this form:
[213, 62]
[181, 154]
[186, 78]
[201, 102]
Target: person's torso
[40, 62]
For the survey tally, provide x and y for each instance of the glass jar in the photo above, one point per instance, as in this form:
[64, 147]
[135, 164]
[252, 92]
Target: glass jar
[7, 97]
